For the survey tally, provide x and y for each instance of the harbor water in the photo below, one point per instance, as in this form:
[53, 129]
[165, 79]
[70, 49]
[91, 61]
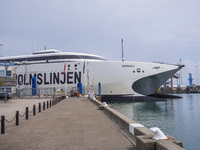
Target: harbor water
[179, 118]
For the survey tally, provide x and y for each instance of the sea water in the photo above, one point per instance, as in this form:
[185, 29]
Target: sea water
[179, 118]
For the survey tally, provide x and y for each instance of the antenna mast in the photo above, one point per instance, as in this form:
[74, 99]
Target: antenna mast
[1, 46]
[180, 72]
[122, 50]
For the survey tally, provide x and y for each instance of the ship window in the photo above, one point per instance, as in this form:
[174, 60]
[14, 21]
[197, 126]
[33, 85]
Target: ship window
[133, 71]
[143, 71]
[39, 57]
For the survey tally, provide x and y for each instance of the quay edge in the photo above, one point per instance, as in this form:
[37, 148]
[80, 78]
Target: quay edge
[142, 137]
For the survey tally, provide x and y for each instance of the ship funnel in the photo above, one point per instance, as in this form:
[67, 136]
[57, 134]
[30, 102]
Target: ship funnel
[159, 135]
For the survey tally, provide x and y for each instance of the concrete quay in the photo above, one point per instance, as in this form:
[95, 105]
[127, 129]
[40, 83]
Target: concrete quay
[72, 124]
[141, 136]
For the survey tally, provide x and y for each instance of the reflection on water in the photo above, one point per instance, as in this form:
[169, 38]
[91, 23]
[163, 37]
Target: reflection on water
[176, 117]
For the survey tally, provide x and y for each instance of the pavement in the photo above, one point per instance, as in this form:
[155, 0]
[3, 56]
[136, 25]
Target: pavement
[72, 124]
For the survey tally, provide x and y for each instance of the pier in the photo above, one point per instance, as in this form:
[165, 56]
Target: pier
[79, 123]
[74, 123]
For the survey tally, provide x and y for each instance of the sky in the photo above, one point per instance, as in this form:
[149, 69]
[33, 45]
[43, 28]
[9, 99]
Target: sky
[152, 31]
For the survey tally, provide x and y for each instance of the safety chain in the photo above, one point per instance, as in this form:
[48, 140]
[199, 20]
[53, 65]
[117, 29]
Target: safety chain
[37, 107]
[11, 120]
[30, 111]
[51, 103]
[22, 115]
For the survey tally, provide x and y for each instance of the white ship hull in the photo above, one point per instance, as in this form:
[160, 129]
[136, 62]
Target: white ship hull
[63, 70]
[116, 78]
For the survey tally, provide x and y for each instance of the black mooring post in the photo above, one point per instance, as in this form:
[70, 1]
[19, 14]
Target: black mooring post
[39, 107]
[17, 118]
[26, 113]
[43, 105]
[2, 124]
[47, 104]
[33, 110]
[50, 103]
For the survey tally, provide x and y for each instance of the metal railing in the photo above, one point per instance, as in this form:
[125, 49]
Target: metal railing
[38, 92]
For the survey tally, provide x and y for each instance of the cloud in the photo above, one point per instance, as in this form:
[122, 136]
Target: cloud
[152, 30]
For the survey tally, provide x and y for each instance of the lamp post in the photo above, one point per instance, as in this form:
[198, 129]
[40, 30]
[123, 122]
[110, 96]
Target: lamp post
[1, 47]
[6, 68]
[197, 74]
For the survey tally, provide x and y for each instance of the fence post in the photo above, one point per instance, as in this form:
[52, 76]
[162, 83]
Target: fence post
[2, 124]
[33, 110]
[26, 113]
[17, 118]
[38, 93]
[47, 104]
[43, 105]
[39, 107]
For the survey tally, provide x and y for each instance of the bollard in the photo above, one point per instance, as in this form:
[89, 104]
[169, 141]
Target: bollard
[17, 118]
[2, 124]
[33, 110]
[47, 104]
[26, 113]
[50, 103]
[43, 105]
[39, 107]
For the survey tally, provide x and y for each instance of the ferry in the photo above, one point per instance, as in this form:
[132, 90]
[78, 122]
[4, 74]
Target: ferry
[110, 79]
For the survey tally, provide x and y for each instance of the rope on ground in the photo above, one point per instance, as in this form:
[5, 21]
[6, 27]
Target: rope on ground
[11, 120]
